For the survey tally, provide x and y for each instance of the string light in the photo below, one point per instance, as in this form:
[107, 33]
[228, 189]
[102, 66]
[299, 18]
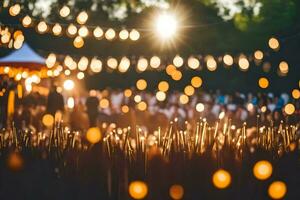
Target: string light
[178, 61]
[96, 65]
[142, 64]
[283, 67]
[83, 31]
[56, 29]
[72, 30]
[211, 63]
[183, 99]
[42, 27]
[15, 10]
[124, 65]
[193, 63]
[98, 33]
[228, 60]
[243, 63]
[112, 63]
[104, 103]
[82, 17]
[296, 93]
[64, 11]
[134, 35]
[78, 42]
[26, 22]
[155, 62]
[189, 90]
[110, 34]
[258, 55]
[123, 35]
[70, 102]
[274, 44]
[83, 63]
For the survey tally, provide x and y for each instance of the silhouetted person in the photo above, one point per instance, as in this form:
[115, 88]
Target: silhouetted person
[92, 103]
[55, 101]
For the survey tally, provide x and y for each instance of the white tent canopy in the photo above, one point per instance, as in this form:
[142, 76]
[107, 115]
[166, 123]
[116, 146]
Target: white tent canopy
[23, 57]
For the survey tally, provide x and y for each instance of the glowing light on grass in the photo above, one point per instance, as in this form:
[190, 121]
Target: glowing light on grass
[93, 135]
[138, 189]
[48, 120]
[221, 179]
[176, 192]
[277, 190]
[262, 170]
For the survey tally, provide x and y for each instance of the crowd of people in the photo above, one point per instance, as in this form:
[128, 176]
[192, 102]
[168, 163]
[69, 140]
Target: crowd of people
[131, 107]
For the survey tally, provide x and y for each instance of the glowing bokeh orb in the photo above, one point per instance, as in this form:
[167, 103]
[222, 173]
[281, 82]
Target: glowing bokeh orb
[196, 82]
[183, 99]
[64, 11]
[98, 33]
[82, 17]
[142, 106]
[277, 190]
[189, 90]
[104, 103]
[72, 30]
[15, 10]
[123, 35]
[263, 82]
[57, 29]
[69, 84]
[274, 43]
[93, 135]
[112, 63]
[178, 61]
[258, 55]
[134, 35]
[176, 192]
[228, 60]
[142, 64]
[289, 109]
[138, 190]
[78, 42]
[127, 93]
[200, 107]
[160, 96]
[15, 161]
[96, 65]
[221, 179]
[26, 21]
[48, 120]
[42, 27]
[141, 84]
[163, 86]
[262, 170]
[296, 93]
[244, 63]
[125, 109]
[283, 67]
[110, 34]
[155, 62]
[166, 25]
[193, 63]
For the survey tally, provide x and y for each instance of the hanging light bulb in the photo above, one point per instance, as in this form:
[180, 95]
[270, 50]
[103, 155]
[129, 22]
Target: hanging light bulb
[42, 27]
[82, 17]
[78, 42]
[110, 34]
[123, 35]
[56, 29]
[64, 11]
[26, 21]
[98, 33]
[96, 65]
[134, 35]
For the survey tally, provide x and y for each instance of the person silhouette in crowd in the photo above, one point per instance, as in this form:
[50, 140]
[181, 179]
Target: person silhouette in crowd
[55, 101]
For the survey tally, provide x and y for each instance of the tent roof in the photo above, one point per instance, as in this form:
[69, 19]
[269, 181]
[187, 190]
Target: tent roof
[23, 57]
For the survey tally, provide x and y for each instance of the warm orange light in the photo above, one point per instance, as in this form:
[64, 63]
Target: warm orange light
[176, 192]
[183, 99]
[141, 84]
[82, 17]
[258, 55]
[160, 96]
[228, 60]
[277, 190]
[196, 82]
[48, 120]
[289, 109]
[125, 109]
[177, 75]
[93, 135]
[189, 90]
[142, 106]
[163, 86]
[200, 107]
[138, 189]
[263, 82]
[26, 21]
[15, 161]
[262, 170]
[221, 179]
[243, 63]
[283, 67]
[78, 42]
[127, 93]
[104, 103]
[296, 93]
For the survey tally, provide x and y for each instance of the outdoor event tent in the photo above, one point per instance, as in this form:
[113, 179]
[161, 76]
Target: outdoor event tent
[24, 57]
